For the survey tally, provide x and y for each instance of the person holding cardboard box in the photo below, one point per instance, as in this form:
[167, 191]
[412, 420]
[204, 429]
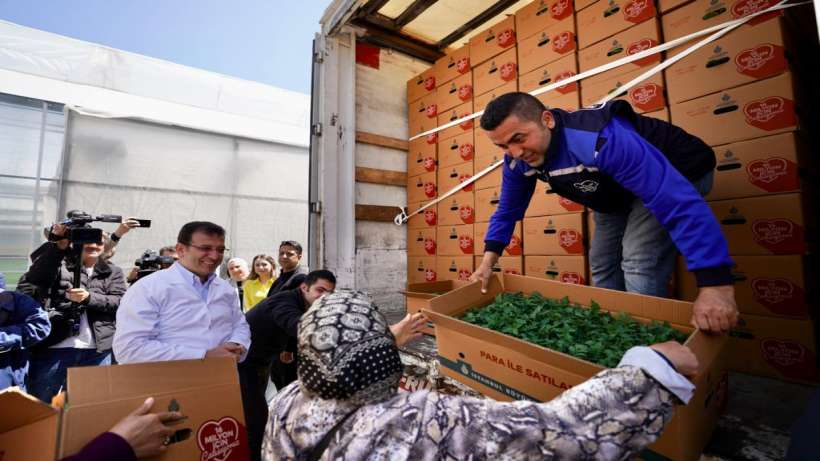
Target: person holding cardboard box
[185, 311]
[346, 403]
[643, 177]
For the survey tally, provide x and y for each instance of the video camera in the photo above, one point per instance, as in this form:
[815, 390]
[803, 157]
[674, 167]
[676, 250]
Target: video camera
[78, 226]
[150, 262]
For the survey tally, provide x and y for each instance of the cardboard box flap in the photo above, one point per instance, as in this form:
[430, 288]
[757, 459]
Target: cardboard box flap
[20, 409]
[92, 385]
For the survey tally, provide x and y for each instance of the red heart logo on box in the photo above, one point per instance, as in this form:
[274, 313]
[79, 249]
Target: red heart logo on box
[746, 7]
[467, 214]
[570, 240]
[465, 243]
[429, 189]
[505, 38]
[569, 205]
[647, 97]
[761, 61]
[772, 113]
[466, 151]
[432, 110]
[430, 275]
[514, 248]
[563, 42]
[429, 163]
[467, 124]
[430, 246]
[430, 83]
[561, 9]
[464, 177]
[792, 359]
[571, 277]
[780, 236]
[432, 138]
[638, 11]
[773, 174]
[568, 88]
[430, 217]
[640, 45]
[508, 71]
[465, 92]
[464, 274]
[463, 65]
[223, 440]
[779, 295]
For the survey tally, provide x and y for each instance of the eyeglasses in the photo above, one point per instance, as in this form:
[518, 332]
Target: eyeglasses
[209, 249]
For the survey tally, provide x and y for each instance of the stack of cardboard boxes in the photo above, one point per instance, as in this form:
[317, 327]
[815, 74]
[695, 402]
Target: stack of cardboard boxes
[738, 94]
[743, 83]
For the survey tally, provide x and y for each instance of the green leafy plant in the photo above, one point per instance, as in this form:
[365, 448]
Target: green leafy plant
[589, 334]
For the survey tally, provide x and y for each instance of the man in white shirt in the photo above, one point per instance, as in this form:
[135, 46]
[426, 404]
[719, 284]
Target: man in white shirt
[185, 311]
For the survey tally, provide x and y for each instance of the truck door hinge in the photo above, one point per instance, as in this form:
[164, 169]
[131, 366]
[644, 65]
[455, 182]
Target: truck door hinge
[316, 207]
[316, 129]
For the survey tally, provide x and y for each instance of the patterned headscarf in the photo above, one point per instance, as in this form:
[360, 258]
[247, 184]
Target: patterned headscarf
[346, 350]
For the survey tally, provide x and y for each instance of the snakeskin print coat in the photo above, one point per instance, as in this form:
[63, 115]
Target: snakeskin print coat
[613, 415]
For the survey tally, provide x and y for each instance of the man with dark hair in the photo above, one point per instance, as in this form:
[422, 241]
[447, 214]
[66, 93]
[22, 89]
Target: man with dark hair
[273, 324]
[643, 177]
[169, 251]
[185, 311]
[292, 275]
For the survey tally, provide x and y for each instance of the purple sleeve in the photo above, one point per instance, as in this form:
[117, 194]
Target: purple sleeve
[107, 446]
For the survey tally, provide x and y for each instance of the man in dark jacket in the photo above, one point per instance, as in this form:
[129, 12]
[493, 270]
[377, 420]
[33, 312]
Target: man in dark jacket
[293, 274]
[23, 323]
[83, 318]
[643, 177]
[273, 323]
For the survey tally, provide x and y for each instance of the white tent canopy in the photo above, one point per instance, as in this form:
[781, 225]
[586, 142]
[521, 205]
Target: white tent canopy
[109, 82]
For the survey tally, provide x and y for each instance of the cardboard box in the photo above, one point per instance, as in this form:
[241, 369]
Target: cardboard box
[421, 269]
[757, 109]
[492, 179]
[647, 96]
[555, 235]
[484, 148]
[547, 45]
[564, 97]
[774, 347]
[505, 264]
[421, 85]
[497, 71]
[206, 391]
[458, 240]
[458, 149]
[492, 41]
[668, 5]
[453, 65]
[422, 115]
[454, 93]
[457, 209]
[418, 296]
[581, 4]
[421, 187]
[421, 158]
[773, 286]
[513, 249]
[454, 114]
[606, 18]
[566, 269]
[626, 43]
[760, 166]
[421, 242]
[481, 101]
[545, 202]
[29, 427]
[450, 177]
[702, 14]
[486, 201]
[455, 267]
[540, 15]
[473, 355]
[769, 225]
[427, 218]
[742, 56]
[662, 114]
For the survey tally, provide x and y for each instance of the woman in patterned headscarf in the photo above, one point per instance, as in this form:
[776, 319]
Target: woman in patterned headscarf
[346, 403]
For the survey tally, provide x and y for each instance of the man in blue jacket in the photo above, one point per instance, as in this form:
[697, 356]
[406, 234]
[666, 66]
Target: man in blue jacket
[643, 177]
[23, 323]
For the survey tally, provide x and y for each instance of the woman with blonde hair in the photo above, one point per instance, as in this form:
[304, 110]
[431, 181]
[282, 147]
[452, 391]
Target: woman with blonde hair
[263, 274]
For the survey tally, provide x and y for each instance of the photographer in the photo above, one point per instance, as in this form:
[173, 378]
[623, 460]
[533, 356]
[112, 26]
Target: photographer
[83, 317]
[149, 263]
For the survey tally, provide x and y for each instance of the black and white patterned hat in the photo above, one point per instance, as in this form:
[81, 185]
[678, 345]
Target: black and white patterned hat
[346, 350]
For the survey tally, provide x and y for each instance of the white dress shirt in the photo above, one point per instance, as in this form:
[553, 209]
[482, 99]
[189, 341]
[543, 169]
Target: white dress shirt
[173, 315]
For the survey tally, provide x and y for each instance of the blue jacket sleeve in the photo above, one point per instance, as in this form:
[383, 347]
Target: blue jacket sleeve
[28, 323]
[642, 169]
[516, 192]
